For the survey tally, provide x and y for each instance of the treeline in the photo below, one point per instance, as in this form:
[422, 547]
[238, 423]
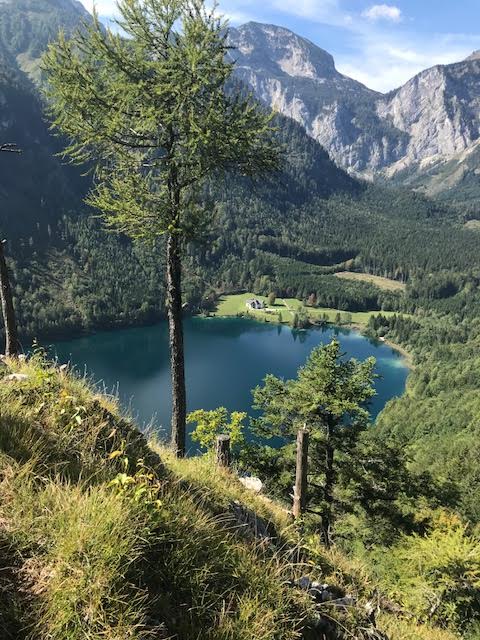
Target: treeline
[90, 279]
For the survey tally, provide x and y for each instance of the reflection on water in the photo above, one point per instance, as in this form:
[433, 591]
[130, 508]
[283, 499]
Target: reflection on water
[225, 357]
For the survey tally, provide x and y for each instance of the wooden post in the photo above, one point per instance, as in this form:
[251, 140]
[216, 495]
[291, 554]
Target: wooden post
[12, 344]
[300, 488]
[223, 451]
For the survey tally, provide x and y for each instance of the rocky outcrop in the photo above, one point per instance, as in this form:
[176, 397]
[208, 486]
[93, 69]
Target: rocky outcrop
[298, 79]
[439, 109]
[431, 119]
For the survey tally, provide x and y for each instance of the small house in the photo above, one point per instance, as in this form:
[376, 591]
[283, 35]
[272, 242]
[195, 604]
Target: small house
[255, 303]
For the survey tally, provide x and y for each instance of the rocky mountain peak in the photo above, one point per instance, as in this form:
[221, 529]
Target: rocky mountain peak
[293, 55]
[474, 56]
[434, 117]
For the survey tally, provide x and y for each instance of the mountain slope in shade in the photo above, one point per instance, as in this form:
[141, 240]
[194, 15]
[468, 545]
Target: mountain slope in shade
[27, 26]
[433, 119]
[35, 186]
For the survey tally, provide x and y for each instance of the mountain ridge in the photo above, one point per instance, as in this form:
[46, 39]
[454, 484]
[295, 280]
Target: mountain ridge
[415, 135]
[426, 122]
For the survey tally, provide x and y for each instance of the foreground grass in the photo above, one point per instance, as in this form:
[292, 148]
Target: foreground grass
[102, 540]
[105, 536]
[235, 305]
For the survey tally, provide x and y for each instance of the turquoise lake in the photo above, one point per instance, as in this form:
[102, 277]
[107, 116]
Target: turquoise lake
[225, 359]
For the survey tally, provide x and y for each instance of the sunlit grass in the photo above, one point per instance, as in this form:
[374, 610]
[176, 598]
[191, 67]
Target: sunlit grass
[235, 305]
[103, 562]
[386, 284]
[104, 536]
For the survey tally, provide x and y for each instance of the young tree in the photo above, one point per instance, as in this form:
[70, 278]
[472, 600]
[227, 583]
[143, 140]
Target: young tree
[328, 398]
[210, 424]
[271, 299]
[156, 113]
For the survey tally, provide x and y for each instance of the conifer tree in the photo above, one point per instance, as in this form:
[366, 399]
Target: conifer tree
[329, 398]
[156, 113]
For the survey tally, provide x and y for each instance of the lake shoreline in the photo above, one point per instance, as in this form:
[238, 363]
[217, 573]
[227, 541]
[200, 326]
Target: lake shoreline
[233, 305]
[225, 360]
[53, 338]
[407, 357]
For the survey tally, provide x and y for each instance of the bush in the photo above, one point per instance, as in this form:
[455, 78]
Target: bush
[211, 424]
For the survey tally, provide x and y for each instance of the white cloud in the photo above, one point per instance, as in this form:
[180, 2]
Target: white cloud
[327, 12]
[388, 62]
[383, 12]
[104, 7]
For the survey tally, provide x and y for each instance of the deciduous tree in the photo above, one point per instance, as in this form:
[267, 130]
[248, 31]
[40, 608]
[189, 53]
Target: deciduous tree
[156, 113]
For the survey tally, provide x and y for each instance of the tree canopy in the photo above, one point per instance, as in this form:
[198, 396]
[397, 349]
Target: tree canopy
[153, 112]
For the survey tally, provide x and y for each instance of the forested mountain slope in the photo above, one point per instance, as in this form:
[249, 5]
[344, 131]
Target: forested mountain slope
[27, 26]
[35, 187]
[69, 275]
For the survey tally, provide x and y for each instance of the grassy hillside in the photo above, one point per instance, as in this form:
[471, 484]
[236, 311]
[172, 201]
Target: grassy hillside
[103, 536]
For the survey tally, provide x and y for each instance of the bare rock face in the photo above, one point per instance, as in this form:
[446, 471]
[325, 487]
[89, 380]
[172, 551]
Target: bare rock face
[298, 79]
[439, 109]
[430, 120]
[474, 56]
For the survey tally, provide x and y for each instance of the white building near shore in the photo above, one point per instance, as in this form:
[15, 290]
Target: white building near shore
[255, 303]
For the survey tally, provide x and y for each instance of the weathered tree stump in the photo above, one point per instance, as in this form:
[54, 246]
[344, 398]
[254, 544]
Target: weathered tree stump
[223, 451]
[12, 344]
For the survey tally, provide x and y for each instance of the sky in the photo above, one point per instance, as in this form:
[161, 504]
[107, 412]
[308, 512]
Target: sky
[382, 44]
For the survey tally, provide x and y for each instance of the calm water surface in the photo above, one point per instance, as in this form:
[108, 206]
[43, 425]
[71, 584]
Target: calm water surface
[225, 359]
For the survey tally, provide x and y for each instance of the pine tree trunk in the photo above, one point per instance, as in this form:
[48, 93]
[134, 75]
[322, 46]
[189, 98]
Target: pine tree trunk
[327, 515]
[12, 344]
[177, 357]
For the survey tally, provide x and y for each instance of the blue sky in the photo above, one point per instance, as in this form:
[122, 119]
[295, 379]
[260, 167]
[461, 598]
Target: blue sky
[382, 44]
